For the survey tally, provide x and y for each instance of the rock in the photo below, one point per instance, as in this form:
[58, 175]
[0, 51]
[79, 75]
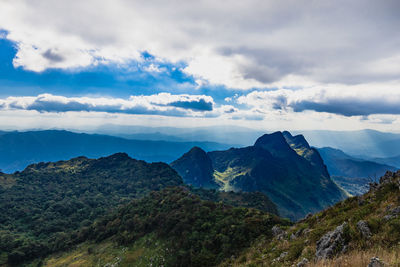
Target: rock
[363, 227]
[392, 213]
[388, 217]
[373, 186]
[281, 257]
[387, 178]
[361, 201]
[395, 211]
[302, 263]
[376, 262]
[278, 233]
[331, 243]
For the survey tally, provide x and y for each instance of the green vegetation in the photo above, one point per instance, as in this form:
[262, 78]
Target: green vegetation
[255, 200]
[379, 208]
[42, 206]
[181, 229]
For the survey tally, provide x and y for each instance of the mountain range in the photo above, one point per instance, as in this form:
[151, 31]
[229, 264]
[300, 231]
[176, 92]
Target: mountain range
[19, 149]
[351, 173]
[278, 164]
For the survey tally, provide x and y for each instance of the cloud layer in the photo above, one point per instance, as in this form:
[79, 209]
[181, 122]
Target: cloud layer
[160, 104]
[340, 100]
[238, 44]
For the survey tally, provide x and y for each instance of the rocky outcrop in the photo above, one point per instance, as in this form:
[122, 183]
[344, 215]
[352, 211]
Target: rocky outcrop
[332, 243]
[392, 213]
[278, 233]
[376, 262]
[304, 262]
[363, 227]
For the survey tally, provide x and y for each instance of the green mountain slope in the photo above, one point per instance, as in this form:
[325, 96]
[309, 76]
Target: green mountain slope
[298, 184]
[348, 234]
[42, 204]
[172, 227]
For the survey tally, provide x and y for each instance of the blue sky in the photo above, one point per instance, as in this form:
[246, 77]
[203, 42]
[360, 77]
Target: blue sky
[263, 64]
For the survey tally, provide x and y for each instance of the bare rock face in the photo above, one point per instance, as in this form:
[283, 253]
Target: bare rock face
[332, 243]
[363, 227]
[278, 233]
[304, 262]
[376, 262]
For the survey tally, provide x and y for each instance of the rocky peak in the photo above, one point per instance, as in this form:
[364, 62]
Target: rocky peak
[275, 143]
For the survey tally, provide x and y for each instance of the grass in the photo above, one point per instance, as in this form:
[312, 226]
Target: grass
[229, 175]
[147, 251]
[371, 207]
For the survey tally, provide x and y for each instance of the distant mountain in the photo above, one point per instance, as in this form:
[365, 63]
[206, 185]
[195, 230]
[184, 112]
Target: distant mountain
[200, 173]
[297, 183]
[342, 164]
[352, 174]
[18, 149]
[362, 143]
[394, 161]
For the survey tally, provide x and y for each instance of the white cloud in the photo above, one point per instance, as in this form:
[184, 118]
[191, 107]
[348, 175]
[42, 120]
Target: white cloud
[238, 44]
[358, 100]
[164, 104]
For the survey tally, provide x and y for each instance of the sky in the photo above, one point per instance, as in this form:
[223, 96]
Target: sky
[272, 65]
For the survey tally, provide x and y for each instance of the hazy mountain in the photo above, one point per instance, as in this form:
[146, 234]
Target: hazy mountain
[271, 166]
[342, 164]
[18, 149]
[394, 161]
[352, 174]
[364, 143]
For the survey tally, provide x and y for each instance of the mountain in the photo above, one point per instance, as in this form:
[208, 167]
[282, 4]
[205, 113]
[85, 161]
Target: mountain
[394, 161]
[341, 164]
[353, 232]
[362, 143]
[299, 144]
[200, 173]
[18, 149]
[172, 227]
[272, 167]
[351, 173]
[42, 204]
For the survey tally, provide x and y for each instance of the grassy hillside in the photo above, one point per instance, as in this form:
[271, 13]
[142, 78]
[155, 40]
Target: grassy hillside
[172, 227]
[43, 204]
[378, 210]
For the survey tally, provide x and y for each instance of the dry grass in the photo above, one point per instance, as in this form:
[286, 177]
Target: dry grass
[361, 259]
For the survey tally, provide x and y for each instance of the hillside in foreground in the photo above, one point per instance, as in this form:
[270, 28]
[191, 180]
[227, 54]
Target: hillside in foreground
[172, 227]
[348, 234]
[43, 206]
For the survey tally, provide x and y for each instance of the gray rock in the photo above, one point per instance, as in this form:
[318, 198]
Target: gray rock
[304, 262]
[278, 233]
[363, 227]
[388, 217]
[376, 262]
[281, 257]
[395, 211]
[332, 243]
